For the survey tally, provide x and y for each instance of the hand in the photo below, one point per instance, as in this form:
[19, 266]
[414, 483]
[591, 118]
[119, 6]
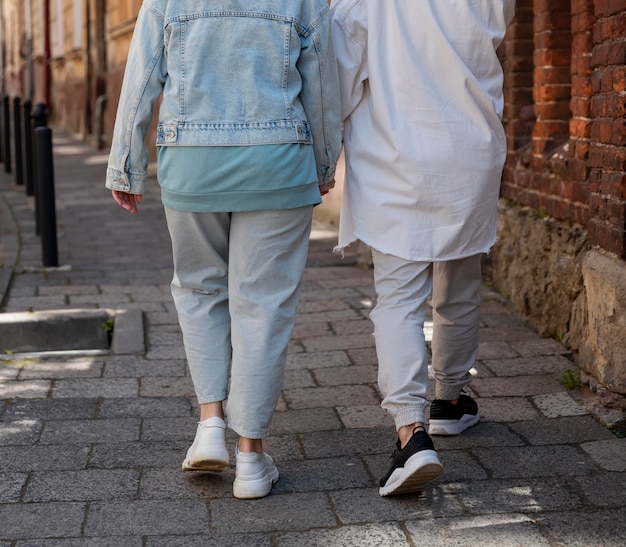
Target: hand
[327, 187]
[127, 201]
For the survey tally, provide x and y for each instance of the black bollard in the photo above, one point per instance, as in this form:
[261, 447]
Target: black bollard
[1, 131]
[28, 149]
[7, 134]
[45, 189]
[40, 119]
[17, 130]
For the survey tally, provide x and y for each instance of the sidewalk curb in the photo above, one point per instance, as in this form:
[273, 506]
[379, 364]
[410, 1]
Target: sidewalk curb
[128, 334]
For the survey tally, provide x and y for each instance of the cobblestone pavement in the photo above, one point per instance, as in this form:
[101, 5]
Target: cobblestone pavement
[91, 444]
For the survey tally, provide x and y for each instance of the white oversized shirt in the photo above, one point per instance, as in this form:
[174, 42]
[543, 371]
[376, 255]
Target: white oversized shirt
[421, 97]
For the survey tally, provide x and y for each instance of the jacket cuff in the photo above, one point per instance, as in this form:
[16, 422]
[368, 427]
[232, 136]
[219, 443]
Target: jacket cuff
[325, 174]
[133, 183]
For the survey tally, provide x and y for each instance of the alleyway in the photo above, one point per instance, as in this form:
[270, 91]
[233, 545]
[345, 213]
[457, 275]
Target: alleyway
[91, 444]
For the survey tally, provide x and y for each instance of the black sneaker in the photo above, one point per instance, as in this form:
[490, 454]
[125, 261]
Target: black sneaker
[412, 466]
[449, 419]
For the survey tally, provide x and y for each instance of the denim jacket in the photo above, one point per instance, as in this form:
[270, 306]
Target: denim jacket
[231, 73]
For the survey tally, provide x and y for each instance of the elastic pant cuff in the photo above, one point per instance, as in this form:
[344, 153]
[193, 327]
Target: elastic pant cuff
[408, 415]
[448, 392]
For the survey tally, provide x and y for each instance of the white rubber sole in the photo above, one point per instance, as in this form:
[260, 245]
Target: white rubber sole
[257, 487]
[214, 458]
[215, 465]
[452, 427]
[208, 451]
[418, 470]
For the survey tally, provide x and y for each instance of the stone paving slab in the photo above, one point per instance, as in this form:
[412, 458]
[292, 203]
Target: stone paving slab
[91, 445]
[609, 454]
[371, 535]
[557, 405]
[487, 531]
[534, 461]
[81, 542]
[33, 458]
[84, 485]
[529, 496]
[42, 520]
[569, 430]
[582, 528]
[146, 517]
[51, 409]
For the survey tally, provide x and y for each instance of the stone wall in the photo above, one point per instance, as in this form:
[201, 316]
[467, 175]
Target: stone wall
[561, 254]
[537, 264]
[602, 352]
[567, 289]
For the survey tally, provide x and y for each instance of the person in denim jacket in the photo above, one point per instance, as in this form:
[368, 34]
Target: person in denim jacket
[248, 138]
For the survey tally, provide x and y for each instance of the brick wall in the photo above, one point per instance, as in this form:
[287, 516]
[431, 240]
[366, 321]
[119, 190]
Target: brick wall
[565, 111]
[607, 148]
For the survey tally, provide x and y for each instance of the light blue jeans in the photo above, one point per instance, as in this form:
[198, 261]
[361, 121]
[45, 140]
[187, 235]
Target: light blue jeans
[403, 288]
[236, 287]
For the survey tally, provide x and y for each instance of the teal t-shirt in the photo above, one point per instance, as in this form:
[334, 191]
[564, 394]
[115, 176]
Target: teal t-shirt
[237, 178]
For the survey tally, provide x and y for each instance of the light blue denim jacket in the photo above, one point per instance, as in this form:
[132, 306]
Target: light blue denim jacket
[210, 60]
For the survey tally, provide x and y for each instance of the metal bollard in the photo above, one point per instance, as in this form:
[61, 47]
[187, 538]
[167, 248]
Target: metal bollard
[100, 105]
[45, 189]
[7, 134]
[1, 131]
[28, 149]
[17, 130]
[39, 119]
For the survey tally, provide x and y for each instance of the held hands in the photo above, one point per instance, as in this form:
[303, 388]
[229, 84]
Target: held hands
[127, 201]
[327, 187]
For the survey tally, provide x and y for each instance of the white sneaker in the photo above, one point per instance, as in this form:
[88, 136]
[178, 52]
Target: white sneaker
[208, 451]
[255, 474]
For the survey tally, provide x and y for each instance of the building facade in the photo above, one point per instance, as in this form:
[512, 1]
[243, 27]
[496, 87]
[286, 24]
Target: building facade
[561, 251]
[69, 55]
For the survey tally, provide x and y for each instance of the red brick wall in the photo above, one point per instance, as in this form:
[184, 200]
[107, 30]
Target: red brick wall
[607, 148]
[565, 91]
[551, 78]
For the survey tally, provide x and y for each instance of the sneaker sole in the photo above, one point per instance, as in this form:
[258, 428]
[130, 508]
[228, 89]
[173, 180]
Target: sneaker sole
[419, 469]
[452, 427]
[259, 488]
[214, 465]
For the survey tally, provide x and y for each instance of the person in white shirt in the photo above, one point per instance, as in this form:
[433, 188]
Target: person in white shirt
[422, 100]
